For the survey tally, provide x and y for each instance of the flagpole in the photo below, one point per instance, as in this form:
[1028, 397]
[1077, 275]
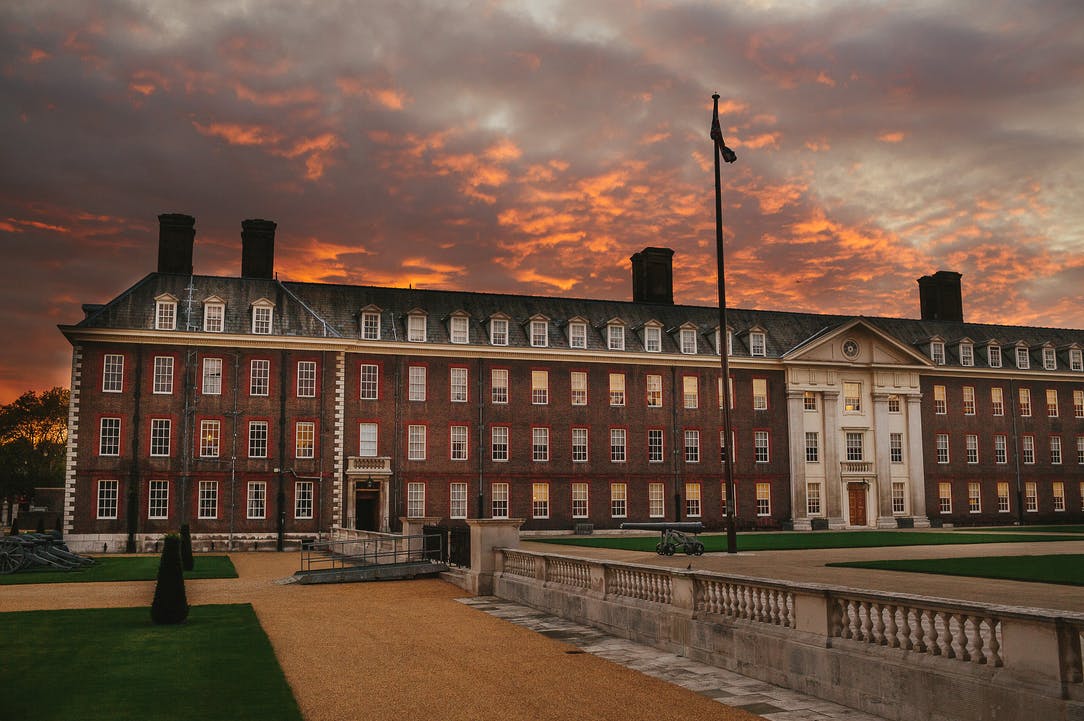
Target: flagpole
[728, 436]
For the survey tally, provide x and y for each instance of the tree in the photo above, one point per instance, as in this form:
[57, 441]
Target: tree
[33, 435]
[170, 604]
[187, 562]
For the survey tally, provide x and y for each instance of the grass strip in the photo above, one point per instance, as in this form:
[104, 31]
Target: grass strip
[715, 543]
[1064, 569]
[122, 568]
[109, 664]
[1029, 529]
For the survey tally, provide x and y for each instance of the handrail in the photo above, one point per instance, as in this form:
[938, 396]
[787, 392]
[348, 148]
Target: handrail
[330, 555]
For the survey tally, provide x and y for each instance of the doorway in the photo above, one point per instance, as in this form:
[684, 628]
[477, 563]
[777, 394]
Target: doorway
[856, 500]
[367, 511]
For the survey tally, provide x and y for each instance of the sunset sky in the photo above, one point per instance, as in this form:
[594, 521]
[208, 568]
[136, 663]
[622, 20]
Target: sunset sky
[534, 146]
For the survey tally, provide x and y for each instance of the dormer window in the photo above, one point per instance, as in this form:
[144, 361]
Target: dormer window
[688, 341]
[615, 336]
[1076, 359]
[653, 339]
[730, 342]
[498, 331]
[756, 343]
[460, 329]
[165, 312]
[577, 334]
[1050, 359]
[262, 316]
[540, 334]
[937, 352]
[416, 327]
[993, 355]
[967, 354]
[370, 325]
[1023, 360]
[214, 315]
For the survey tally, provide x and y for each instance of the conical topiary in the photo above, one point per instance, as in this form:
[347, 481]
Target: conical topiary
[170, 604]
[187, 561]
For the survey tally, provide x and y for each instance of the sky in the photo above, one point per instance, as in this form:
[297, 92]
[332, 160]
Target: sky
[533, 146]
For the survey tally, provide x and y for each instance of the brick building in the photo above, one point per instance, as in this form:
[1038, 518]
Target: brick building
[261, 410]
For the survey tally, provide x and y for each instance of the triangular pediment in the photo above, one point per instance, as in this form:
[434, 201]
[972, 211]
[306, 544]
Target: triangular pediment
[856, 342]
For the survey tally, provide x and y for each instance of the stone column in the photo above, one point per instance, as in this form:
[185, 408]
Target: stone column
[916, 472]
[796, 431]
[833, 491]
[413, 527]
[882, 463]
[487, 535]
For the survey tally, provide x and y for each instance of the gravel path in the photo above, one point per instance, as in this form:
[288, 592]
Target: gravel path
[406, 650]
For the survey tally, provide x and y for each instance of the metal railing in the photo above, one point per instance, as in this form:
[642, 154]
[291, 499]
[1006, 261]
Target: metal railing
[388, 549]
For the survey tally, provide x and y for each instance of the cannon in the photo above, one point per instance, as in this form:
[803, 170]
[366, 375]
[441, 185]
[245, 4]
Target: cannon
[674, 535]
[37, 550]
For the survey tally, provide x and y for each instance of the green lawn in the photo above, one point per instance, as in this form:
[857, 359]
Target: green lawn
[1065, 569]
[110, 664]
[1033, 529]
[796, 541]
[122, 568]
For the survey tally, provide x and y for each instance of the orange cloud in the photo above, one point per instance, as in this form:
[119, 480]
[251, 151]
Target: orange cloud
[37, 55]
[238, 134]
[891, 137]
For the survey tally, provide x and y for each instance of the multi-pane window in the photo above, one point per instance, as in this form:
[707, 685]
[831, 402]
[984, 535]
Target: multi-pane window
[852, 397]
[577, 335]
[367, 440]
[855, 446]
[688, 341]
[1050, 359]
[967, 354]
[579, 445]
[940, 403]
[1002, 497]
[214, 317]
[498, 333]
[971, 442]
[158, 499]
[165, 316]
[615, 337]
[722, 497]
[942, 448]
[1023, 360]
[306, 379]
[895, 447]
[261, 319]
[969, 400]
[618, 500]
[1051, 403]
[112, 373]
[369, 374]
[163, 374]
[540, 387]
[207, 502]
[1055, 450]
[692, 500]
[579, 500]
[257, 499]
[893, 403]
[812, 447]
[539, 333]
[498, 384]
[997, 401]
[723, 445]
[974, 498]
[498, 439]
[578, 382]
[416, 442]
[937, 353]
[809, 401]
[460, 327]
[692, 446]
[540, 444]
[416, 328]
[458, 385]
[652, 339]
[654, 391]
[416, 383]
[1031, 496]
[1078, 404]
[617, 389]
[109, 437]
[690, 391]
[210, 438]
[1001, 453]
[1025, 402]
[259, 377]
[257, 439]
[764, 499]
[1076, 359]
[304, 439]
[1057, 490]
[458, 435]
[993, 355]
[944, 497]
[813, 498]
[1080, 449]
[760, 394]
[457, 500]
[540, 500]
[500, 500]
[654, 445]
[160, 432]
[760, 446]
[212, 376]
[617, 445]
[303, 499]
[899, 497]
[1027, 453]
[757, 345]
[107, 498]
[656, 500]
[370, 326]
[415, 500]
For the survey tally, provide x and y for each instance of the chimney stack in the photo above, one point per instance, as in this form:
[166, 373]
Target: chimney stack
[653, 276]
[176, 233]
[258, 248]
[939, 296]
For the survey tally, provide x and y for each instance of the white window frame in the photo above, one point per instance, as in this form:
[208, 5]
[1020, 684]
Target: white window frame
[207, 500]
[899, 498]
[1001, 449]
[1055, 450]
[1027, 452]
[1031, 497]
[540, 444]
[580, 444]
[304, 439]
[580, 500]
[619, 500]
[259, 436]
[368, 439]
[813, 498]
[1050, 359]
[617, 389]
[415, 500]
[937, 353]
[263, 318]
[691, 445]
[540, 500]
[760, 394]
[214, 317]
[812, 447]
[417, 328]
[1051, 402]
[109, 436]
[540, 387]
[940, 400]
[499, 500]
[618, 445]
[416, 442]
[498, 443]
[457, 499]
[370, 325]
[656, 500]
[498, 386]
[997, 401]
[655, 443]
[971, 447]
[212, 377]
[758, 343]
[762, 447]
[108, 498]
[157, 500]
[967, 355]
[1023, 357]
[1003, 503]
[210, 438]
[112, 373]
[578, 387]
[163, 375]
[941, 441]
[615, 336]
[969, 400]
[895, 448]
[654, 391]
[459, 443]
[161, 437]
[416, 383]
[1057, 492]
[690, 391]
[577, 335]
[369, 382]
[993, 355]
[1076, 359]
[692, 500]
[306, 379]
[688, 341]
[303, 500]
[256, 500]
[764, 499]
[165, 315]
[259, 377]
[852, 403]
[974, 497]
[944, 497]
[459, 329]
[653, 339]
[540, 335]
[498, 332]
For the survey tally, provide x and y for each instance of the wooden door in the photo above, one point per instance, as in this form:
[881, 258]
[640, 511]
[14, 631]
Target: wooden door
[856, 497]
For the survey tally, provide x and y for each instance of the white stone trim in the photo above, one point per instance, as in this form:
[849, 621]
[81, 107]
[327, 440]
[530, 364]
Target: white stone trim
[72, 446]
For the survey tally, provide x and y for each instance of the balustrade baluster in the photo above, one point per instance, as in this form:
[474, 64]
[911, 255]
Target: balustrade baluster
[890, 630]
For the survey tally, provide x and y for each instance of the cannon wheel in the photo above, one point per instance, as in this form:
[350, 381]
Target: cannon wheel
[698, 548]
[668, 549]
[11, 558]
